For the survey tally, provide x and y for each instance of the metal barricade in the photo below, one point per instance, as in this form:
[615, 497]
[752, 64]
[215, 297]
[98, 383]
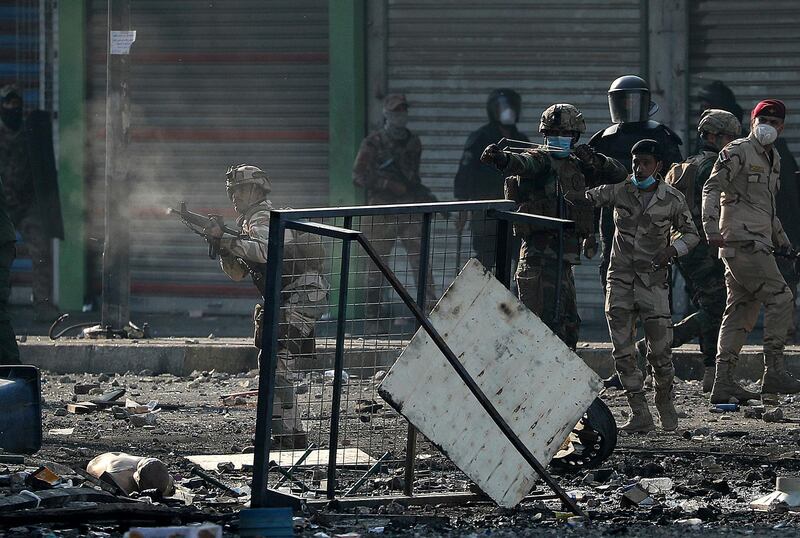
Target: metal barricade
[361, 436]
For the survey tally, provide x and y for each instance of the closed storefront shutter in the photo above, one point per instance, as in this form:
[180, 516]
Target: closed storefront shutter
[212, 84]
[448, 55]
[754, 49]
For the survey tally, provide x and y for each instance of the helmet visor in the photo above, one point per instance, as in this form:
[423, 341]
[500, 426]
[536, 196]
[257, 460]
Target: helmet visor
[628, 107]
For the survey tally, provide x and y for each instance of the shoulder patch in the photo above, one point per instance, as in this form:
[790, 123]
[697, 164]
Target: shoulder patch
[724, 155]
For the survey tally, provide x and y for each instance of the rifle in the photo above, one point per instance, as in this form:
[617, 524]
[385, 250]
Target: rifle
[420, 192]
[198, 223]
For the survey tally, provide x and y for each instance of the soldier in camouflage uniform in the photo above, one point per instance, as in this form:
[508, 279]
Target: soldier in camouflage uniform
[702, 269]
[304, 288]
[387, 167]
[9, 352]
[739, 218]
[29, 210]
[653, 225]
[550, 183]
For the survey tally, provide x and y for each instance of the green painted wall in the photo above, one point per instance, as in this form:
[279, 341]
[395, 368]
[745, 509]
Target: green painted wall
[72, 143]
[347, 116]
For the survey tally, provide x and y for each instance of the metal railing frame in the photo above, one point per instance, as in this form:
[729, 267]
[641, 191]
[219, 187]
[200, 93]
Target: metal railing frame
[283, 219]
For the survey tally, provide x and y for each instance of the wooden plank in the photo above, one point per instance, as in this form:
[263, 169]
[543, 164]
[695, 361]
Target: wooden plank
[345, 457]
[538, 385]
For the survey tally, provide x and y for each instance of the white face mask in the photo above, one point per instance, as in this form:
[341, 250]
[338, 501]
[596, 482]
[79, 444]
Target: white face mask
[508, 116]
[765, 134]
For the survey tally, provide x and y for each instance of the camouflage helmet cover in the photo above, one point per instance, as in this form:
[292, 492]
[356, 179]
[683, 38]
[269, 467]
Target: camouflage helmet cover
[716, 121]
[245, 174]
[562, 116]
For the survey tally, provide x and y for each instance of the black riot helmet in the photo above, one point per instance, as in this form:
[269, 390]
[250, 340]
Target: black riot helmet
[718, 95]
[629, 100]
[502, 98]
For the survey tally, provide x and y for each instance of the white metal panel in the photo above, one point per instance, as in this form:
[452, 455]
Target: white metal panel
[538, 385]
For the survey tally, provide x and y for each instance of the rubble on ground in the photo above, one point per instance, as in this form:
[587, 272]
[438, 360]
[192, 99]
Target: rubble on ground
[701, 479]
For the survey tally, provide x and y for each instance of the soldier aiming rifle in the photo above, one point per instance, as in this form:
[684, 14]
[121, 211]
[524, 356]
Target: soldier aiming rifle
[304, 290]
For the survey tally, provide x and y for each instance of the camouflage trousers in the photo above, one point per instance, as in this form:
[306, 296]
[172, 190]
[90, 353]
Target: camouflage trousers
[384, 232]
[629, 301]
[752, 279]
[40, 250]
[536, 284]
[705, 274]
[301, 308]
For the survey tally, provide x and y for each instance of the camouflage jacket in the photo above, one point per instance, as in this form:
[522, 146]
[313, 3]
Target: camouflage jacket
[16, 172]
[739, 197]
[689, 177]
[388, 169]
[642, 232]
[303, 258]
[536, 190]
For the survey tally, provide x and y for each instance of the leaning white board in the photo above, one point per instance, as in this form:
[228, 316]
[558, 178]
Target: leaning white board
[538, 385]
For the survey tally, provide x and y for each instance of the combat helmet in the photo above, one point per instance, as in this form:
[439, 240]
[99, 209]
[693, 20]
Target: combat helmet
[716, 121]
[245, 174]
[562, 116]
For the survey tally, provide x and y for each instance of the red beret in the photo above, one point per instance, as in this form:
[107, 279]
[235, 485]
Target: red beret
[770, 107]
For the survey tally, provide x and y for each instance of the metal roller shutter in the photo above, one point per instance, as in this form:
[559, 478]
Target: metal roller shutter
[448, 55]
[754, 48]
[212, 84]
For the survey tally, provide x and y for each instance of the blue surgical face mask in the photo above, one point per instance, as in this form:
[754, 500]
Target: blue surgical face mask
[563, 142]
[642, 183]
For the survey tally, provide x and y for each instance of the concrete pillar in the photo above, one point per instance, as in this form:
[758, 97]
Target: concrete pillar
[668, 60]
[346, 117]
[72, 150]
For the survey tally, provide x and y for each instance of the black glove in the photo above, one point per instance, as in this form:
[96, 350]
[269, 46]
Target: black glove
[586, 154]
[494, 156]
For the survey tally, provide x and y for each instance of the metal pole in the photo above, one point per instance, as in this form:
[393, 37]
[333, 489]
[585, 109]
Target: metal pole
[338, 363]
[116, 247]
[560, 258]
[503, 254]
[268, 360]
[422, 288]
[468, 380]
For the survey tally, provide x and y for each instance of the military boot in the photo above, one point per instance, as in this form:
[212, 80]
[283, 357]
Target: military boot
[665, 403]
[640, 421]
[726, 388]
[776, 379]
[708, 378]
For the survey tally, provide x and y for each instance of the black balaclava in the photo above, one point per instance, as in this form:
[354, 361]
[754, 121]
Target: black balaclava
[12, 117]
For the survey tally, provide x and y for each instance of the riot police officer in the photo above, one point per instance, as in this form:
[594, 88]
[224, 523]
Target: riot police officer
[631, 107]
[478, 181]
